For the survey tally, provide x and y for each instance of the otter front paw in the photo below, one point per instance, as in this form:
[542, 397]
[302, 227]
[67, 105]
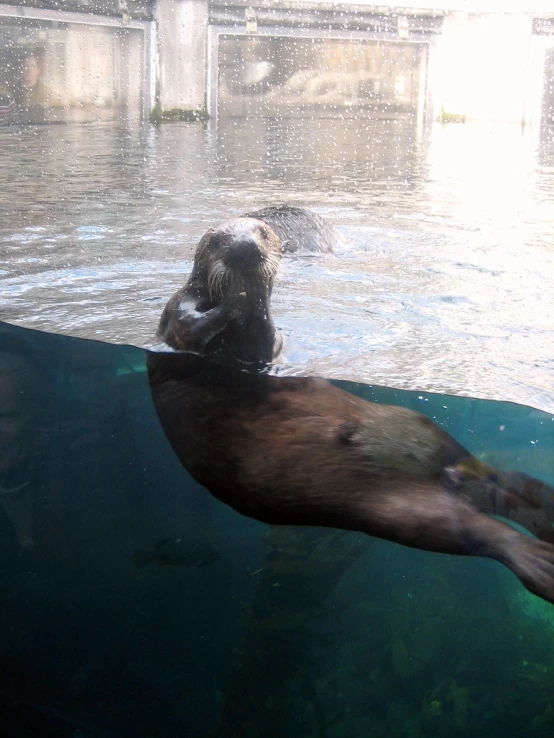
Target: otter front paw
[234, 305]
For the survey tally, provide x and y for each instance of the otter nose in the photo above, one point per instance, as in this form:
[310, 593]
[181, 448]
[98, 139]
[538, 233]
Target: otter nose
[243, 249]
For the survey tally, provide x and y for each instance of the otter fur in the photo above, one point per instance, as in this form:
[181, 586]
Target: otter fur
[300, 230]
[224, 308]
[301, 451]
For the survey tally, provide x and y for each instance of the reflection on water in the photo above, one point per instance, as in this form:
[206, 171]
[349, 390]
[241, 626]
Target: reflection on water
[445, 283]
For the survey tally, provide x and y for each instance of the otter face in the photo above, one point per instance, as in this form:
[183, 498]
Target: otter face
[242, 253]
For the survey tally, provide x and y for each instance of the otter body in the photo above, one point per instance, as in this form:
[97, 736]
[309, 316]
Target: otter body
[300, 230]
[300, 451]
[223, 311]
[224, 308]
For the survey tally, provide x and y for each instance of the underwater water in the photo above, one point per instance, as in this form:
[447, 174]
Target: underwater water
[298, 631]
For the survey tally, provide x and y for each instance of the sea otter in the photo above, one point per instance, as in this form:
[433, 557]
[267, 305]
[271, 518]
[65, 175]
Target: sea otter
[300, 451]
[224, 308]
[300, 230]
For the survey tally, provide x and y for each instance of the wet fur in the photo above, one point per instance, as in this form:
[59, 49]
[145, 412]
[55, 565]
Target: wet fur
[224, 308]
[301, 451]
[300, 230]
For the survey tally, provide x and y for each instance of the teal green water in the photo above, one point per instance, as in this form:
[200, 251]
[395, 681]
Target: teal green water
[292, 631]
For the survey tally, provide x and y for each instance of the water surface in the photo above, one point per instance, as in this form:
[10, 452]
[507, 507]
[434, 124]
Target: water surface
[444, 282]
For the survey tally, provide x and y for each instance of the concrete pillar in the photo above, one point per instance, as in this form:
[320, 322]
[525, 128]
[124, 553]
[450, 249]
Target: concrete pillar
[181, 53]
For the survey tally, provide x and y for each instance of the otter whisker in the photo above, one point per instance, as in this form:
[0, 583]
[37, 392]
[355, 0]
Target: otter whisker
[212, 277]
[270, 265]
[223, 281]
[216, 278]
[267, 273]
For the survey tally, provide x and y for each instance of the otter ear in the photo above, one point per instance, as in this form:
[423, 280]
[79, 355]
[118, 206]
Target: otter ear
[205, 240]
[214, 242]
[201, 248]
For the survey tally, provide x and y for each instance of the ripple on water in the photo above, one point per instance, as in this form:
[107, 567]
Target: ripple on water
[443, 281]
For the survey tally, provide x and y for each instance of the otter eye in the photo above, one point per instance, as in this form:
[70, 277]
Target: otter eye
[264, 232]
[214, 243]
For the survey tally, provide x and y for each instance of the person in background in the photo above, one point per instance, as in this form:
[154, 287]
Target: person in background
[33, 91]
[33, 85]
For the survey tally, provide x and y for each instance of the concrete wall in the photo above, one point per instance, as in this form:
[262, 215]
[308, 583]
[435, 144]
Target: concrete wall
[485, 65]
[181, 42]
[468, 6]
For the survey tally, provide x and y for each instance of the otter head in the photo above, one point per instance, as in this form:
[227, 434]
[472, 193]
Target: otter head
[242, 254]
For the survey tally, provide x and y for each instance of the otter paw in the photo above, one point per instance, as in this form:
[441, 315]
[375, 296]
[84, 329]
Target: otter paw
[532, 562]
[235, 305]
